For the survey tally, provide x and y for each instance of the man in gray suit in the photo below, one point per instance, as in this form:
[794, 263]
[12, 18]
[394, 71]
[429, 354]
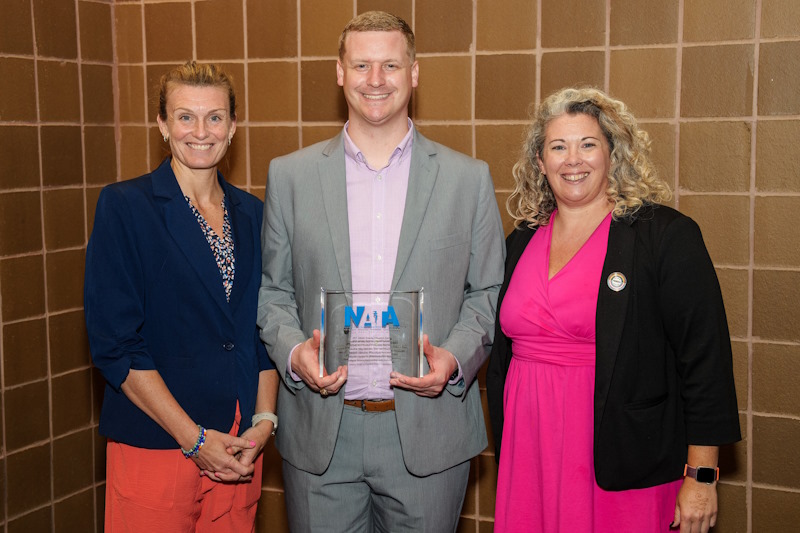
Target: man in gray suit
[377, 208]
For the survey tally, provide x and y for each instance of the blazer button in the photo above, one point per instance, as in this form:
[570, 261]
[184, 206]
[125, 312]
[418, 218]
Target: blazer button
[228, 346]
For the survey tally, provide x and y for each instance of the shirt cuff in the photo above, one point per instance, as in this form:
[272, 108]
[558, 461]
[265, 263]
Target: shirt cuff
[459, 374]
[289, 371]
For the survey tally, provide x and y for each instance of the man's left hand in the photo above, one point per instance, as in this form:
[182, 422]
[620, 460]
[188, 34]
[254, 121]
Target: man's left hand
[442, 365]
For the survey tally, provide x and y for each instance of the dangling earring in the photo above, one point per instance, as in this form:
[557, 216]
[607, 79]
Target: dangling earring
[229, 140]
[166, 138]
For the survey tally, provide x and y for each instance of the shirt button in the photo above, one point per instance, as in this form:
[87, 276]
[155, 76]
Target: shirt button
[374, 383]
[380, 257]
[228, 346]
[378, 216]
[380, 176]
[378, 299]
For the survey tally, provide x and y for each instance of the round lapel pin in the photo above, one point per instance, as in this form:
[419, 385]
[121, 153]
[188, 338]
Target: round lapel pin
[616, 281]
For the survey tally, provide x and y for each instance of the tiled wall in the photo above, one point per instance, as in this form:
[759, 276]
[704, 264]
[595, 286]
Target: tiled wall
[714, 81]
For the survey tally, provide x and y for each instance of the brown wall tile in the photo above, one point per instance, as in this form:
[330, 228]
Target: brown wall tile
[505, 86]
[72, 402]
[234, 165]
[18, 89]
[132, 100]
[775, 510]
[486, 485]
[708, 68]
[458, 138]
[21, 287]
[40, 520]
[95, 21]
[17, 34]
[128, 27]
[732, 515]
[235, 72]
[773, 461]
[508, 222]
[92, 193]
[59, 95]
[20, 222]
[778, 156]
[777, 236]
[71, 455]
[733, 457]
[273, 469]
[272, 28]
[775, 294]
[25, 471]
[435, 97]
[559, 28]
[470, 504]
[506, 25]
[271, 514]
[75, 513]
[662, 137]
[24, 351]
[26, 411]
[101, 154]
[718, 20]
[2, 486]
[431, 17]
[636, 22]
[54, 21]
[776, 372]
[166, 39]
[61, 155]
[133, 151]
[562, 69]
[780, 18]
[99, 442]
[400, 8]
[19, 152]
[715, 156]
[322, 98]
[267, 143]
[315, 134]
[63, 218]
[272, 91]
[219, 30]
[725, 225]
[735, 286]
[69, 343]
[645, 79]
[485, 526]
[740, 372]
[778, 77]
[158, 148]
[64, 280]
[321, 23]
[98, 94]
[501, 147]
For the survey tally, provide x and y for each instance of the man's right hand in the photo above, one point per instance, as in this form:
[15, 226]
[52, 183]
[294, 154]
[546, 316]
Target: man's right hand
[305, 363]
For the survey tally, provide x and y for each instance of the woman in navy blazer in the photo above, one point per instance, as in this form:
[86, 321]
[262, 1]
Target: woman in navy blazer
[172, 274]
[663, 396]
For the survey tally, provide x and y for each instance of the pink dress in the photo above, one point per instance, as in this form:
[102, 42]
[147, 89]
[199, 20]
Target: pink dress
[546, 479]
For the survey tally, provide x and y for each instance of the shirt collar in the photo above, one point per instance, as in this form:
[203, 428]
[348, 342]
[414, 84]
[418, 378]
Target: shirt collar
[402, 150]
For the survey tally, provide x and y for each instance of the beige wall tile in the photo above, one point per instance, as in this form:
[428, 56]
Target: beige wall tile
[735, 289]
[321, 23]
[444, 89]
[21, 288]
[267, 143]
[505, 86]
[54, 22]
[101, 154]
[128, 29]
[559, 27]
[64, 279]
[501, 147]
[506, 25]
[733, 457]
[19, 152]
[718, 20]
[780, 18]
[18, 89]
[562, 69]
[431, 17]
[17, 34]
[773, 461]
[708, 69]
[775, 510]
[400, 8]
[322, 98]
[776, 372]
[645, 80]
[20, 222]
[715, 156]
[732, 503]
[24, 471]
[662, 149]
[59, 99]
[132, 102]
[458, 138]
[775, 294]
[98, 94]
[24, 351]
[778, 156]
[635, 22]
[75, 513]
[272, 91]
[63, 218]
[272, 28]
[725, 225]
[219, 30]
[62, 163]
[69, 342]
[71, 454]
[777, 235]
[26, 407]
[95, 20]
[778, 78]
[166, 39]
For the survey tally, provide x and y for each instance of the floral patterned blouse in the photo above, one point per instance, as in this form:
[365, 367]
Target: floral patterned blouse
[222, 248]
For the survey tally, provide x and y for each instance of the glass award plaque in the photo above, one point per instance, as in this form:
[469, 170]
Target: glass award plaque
[372, 328]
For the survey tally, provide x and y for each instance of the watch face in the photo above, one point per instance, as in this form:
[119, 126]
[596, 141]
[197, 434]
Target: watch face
[706, 474]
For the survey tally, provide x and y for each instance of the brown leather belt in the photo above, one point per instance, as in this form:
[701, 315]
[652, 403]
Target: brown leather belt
[379, 406]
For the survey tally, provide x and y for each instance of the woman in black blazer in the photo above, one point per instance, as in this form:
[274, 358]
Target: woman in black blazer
[610, 382]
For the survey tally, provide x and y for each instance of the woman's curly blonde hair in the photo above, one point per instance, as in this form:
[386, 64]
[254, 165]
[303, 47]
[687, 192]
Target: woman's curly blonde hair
[632, 178]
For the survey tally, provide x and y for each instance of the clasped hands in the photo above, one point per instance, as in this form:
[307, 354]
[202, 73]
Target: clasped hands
[305, 363]
[230, 459]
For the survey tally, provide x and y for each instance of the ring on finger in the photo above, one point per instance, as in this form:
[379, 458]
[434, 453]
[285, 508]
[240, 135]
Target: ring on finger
[323, 393]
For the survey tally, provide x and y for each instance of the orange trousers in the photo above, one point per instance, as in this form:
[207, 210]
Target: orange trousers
[156, 491]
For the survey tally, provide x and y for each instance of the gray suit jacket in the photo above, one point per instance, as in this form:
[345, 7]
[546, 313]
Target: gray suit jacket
[451, 243]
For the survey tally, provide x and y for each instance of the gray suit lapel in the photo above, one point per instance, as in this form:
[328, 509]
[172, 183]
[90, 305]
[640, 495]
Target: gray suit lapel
[421, 180]
[334, 195]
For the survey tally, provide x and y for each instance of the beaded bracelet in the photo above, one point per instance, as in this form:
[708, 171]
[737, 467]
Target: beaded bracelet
[201, 439]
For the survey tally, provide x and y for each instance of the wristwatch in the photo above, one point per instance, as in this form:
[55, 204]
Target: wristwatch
[703, 474]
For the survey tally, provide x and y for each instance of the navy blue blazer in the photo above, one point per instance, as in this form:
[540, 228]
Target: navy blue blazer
[154, 301]
[663, 371]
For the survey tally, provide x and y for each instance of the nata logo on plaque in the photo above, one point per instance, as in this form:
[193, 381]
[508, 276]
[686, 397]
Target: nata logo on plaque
[353, 318]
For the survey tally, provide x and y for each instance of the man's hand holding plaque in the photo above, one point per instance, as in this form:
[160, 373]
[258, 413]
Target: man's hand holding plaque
[305, 363]
[442, 365]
